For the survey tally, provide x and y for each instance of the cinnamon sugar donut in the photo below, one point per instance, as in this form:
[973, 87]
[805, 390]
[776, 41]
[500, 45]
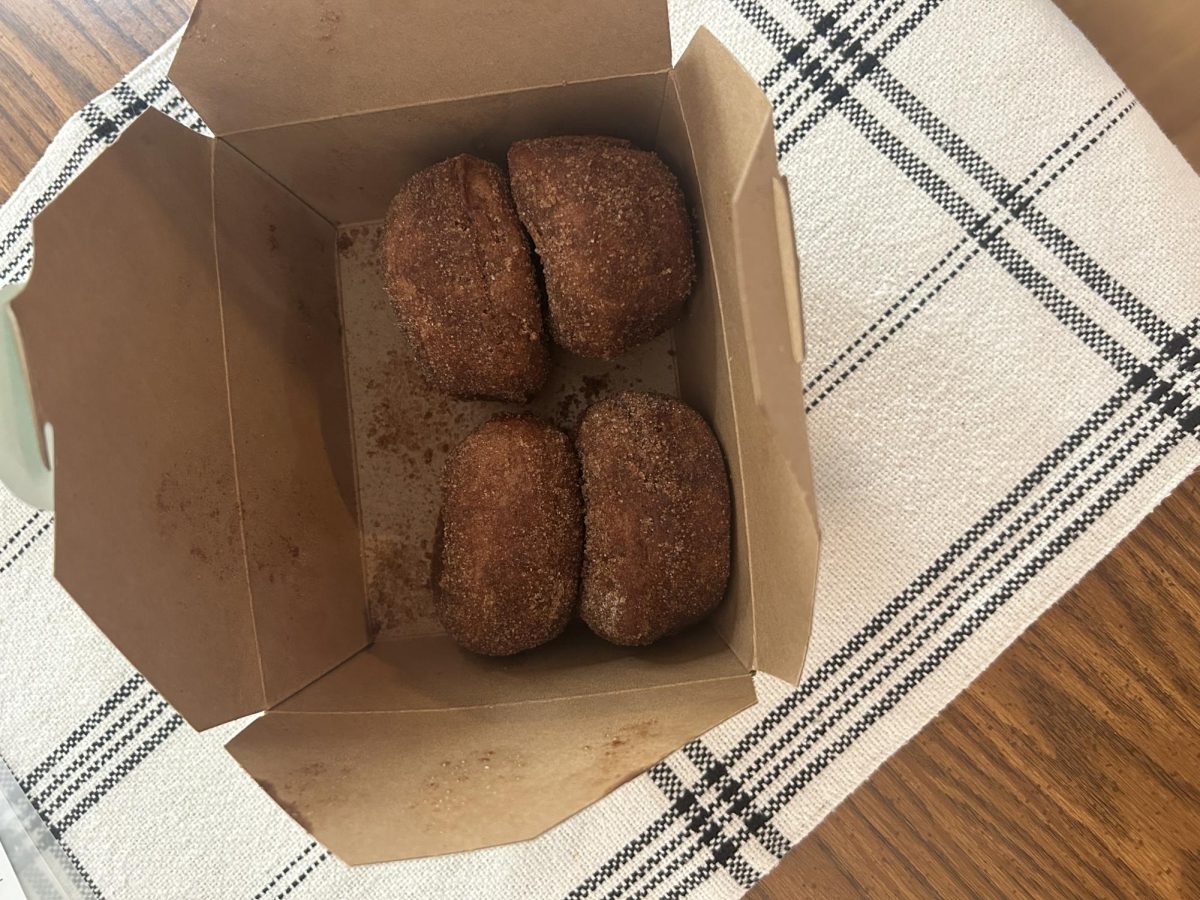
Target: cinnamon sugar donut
[614, 237]
[656, 517]
[507, 573]
[458, 268]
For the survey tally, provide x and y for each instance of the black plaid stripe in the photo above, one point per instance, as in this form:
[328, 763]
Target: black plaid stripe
[833, 94]
[682, 801]
[695, 819]
[735, 803]
[19, 543]
[946, 612]
[116, 775]
[1178, 357]
[912, 306]
[1007, 195]
[1174, 346]
[1054, 299]
[925, 667]
[119, 696]
[91, 770]
[82, 758]
[80, 870]
[96, 759]
[25, 526]
[983, 612]
[1021, 208]
[301, 876]
[721, 800]
[134, 687]
[842, 46]
[277, 881]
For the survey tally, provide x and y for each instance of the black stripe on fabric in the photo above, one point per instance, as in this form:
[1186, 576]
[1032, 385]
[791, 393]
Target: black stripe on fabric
[21, 549]
[83, 873]
[1080, 263]
[992, 518]
[867, 62]
[1173, 348]
[798, 728]
[81, 731]
[702, 825]
[20, 531]
[939, 190]
[23, 272]
[97, 765]
[1087, 330]
[85, 755]
[680, 806]
[1033, 173]
[702, 821]
[831, 666]
[295, 861]
[21, 230]
[115, 776]
[738, 800]
[94, 117]
[684, 805]
[814, 401]
[1111, 462]
[1028, 537]
[802, 48]
[826, 65]
[776, 32]
[299, 879]
[19, 265]
[1007, 194]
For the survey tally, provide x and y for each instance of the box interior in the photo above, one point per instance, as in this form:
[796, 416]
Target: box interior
[288, 568]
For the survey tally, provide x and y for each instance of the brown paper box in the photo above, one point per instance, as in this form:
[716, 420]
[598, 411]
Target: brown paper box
[247, 462]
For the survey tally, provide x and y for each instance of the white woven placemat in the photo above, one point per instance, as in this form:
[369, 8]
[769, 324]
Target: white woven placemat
[1000, 262]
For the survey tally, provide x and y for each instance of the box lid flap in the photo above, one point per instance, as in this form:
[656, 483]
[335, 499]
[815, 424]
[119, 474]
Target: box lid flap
[748, 218]
[121, 329]
[374, 787]
[256, 65]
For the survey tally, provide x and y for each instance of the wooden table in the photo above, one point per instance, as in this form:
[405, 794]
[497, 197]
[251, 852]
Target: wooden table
[1072, 767]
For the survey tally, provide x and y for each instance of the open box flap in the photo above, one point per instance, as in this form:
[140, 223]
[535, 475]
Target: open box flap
[183, 340]
[290, 418]
[256, 65]
[405, 750]
[748, 221]
[121, 328]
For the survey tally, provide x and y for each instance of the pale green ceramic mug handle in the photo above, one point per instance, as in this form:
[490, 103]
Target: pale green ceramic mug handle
[22, 469]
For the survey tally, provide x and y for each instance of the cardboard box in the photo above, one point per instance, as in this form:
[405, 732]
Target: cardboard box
[246, 463]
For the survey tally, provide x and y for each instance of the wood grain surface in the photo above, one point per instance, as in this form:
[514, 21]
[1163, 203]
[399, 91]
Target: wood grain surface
[1072, 766]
